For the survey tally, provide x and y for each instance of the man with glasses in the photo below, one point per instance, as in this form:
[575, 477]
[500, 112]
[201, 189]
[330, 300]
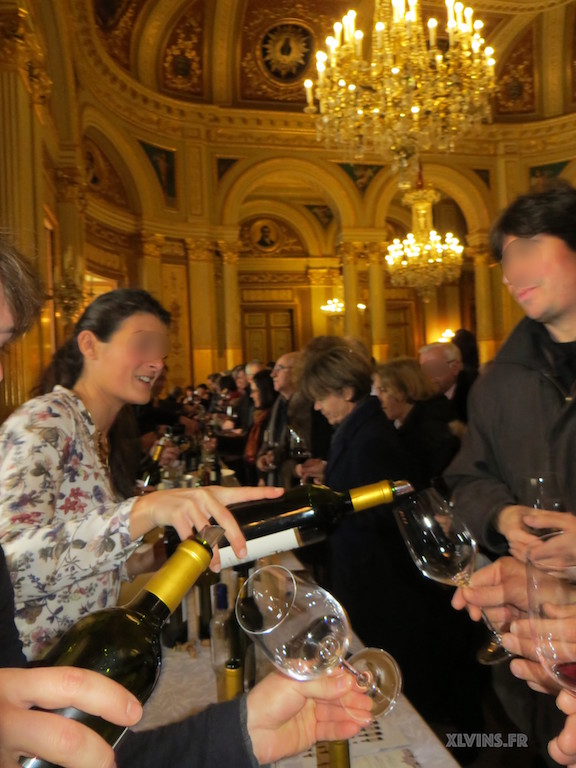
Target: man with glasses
[274, 450]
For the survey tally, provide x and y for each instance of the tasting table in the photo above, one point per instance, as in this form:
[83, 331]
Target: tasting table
[187, 684]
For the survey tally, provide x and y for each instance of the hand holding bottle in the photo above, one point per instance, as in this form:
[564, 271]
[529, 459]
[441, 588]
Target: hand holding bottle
[58, 739]
[188, 509]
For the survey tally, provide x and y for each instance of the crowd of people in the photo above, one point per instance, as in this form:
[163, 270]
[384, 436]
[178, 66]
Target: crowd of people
[71, 513]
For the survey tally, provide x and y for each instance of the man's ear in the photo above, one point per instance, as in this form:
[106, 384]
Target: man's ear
[87, 344]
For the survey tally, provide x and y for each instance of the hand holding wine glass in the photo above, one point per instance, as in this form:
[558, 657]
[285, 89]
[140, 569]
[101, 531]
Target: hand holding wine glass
[551, 581]
[444, 550]
[304, 632]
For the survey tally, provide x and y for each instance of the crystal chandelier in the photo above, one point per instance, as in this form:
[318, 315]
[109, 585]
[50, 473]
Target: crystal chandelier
[424, 260]
[419, 90]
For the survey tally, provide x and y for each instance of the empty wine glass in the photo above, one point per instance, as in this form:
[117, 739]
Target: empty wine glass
[303, 630]
[551, 581]
[542, 491]
[445, 551]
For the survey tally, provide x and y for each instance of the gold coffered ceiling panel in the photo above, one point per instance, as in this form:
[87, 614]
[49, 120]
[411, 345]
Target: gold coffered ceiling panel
[255, 54]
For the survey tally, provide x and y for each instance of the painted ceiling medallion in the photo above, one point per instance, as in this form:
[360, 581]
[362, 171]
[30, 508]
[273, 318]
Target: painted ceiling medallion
[286, 51]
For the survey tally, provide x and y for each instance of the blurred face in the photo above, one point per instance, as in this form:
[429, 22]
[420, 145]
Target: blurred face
[393, 403]
[6, 325]
[241, 380]
[540, 273]
[442, 372]
[282, 376]
[335, 406]
[125, 368]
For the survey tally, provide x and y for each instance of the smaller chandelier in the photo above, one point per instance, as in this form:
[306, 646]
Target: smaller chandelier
[424, 260]
[419, 88]
[335, 306]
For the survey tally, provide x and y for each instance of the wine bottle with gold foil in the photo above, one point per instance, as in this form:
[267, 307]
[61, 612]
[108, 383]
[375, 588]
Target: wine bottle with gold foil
[303, 515]
[123, 642]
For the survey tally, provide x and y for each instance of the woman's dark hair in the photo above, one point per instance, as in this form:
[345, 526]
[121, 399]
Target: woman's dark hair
[103, 317]
[265, 384]
[468, 346]
[551, 211]
[227, 383]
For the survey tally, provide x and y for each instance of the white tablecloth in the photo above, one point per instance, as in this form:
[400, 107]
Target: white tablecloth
[398, 740]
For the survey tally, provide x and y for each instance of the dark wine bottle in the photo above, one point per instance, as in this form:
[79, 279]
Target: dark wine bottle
[153, 473]
[123, 643]
[175, 629]
[303, 515]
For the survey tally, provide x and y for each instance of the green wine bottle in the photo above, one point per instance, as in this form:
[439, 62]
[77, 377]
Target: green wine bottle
[123, 642]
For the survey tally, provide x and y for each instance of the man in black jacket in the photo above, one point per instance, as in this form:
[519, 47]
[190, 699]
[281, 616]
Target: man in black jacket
[522, 410]
[277, 718]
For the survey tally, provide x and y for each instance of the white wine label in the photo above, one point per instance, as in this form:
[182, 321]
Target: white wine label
[262, 547]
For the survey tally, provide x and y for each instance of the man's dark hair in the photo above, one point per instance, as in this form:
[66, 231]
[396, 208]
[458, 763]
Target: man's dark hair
[22, 287]
[548, 212]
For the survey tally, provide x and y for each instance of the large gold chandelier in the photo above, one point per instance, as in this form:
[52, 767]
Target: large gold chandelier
[424, 260]
[419, 90]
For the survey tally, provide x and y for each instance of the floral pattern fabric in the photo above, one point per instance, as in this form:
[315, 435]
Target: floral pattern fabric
[64, 530]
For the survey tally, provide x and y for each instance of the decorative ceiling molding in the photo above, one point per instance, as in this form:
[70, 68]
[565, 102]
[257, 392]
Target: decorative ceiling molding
[513, 6]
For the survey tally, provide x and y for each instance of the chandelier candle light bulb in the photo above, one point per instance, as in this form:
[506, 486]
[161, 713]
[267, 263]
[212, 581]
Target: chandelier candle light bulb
[423, 87]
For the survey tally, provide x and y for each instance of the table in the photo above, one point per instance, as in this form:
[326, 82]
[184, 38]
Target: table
[398, 740]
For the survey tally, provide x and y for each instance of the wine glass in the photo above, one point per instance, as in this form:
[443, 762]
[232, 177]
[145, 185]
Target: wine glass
[304, 631]
[445, 551]
[542, 491]
[298, 449]
[551, 581]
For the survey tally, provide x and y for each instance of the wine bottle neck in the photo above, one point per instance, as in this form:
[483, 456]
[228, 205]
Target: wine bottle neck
[384, 492]
[173, 581]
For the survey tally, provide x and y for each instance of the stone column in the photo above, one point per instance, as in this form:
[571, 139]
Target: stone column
[377, 304]
[24, 88]
[349, 254]
[71, 263]
[485, 325]
[323, 282]
[149, 265]
[229, 251]
[203, 314]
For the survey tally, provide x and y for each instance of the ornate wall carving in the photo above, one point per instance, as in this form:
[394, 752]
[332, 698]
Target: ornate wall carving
[517, 81]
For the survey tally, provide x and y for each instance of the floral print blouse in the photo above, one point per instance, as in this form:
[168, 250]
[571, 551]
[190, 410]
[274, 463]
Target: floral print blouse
[64, 530]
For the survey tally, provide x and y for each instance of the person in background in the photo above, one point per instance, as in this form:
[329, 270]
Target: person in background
[337, 377]
[273, 452]
[468, 346]
[69, 517]
[442, 363]
[279, 717]
[421, 415]
[522, 408]
[263, 394]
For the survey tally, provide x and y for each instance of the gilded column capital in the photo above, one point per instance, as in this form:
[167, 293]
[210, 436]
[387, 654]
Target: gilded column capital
[201, 249]
[351, 252]
[71, 187]
[322, 277]
[21, 50]
[374, 253]
[152, 245]
[229, 250]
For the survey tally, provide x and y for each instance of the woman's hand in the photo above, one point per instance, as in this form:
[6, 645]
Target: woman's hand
[286, 717]
[59, 740]
[190, 509]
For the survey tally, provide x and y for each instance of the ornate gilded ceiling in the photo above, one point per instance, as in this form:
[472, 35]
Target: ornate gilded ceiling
[256, 54]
